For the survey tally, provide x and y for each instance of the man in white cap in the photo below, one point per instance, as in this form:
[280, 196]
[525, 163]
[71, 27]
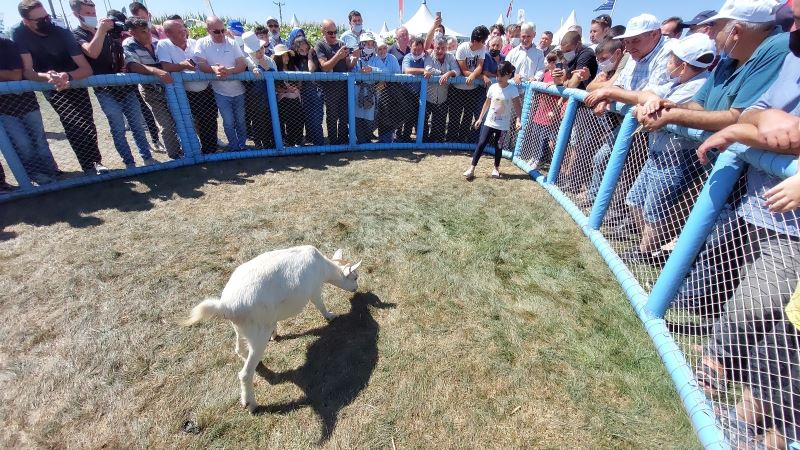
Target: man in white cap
[667, 171]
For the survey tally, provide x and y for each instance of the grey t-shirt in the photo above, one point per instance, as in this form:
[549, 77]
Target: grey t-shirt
[327, 51]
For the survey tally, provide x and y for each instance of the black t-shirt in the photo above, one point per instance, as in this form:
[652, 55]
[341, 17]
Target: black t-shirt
[51, 52]
[584, 58]
[110, 59]
[14, 104]
[327, 51]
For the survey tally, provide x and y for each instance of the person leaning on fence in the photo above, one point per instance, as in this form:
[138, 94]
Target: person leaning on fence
[581, 65]
[492, 59]
[103, 48]
[310, 93]
[465, 98]
[528, 60]
[452, 45]
[668, 169]
[444, 65]
[220, 56]
[610, 55]
[754, 49]
[501, 97]
[402, 43]
[334, 56]
[175, 55]
[773, 265]
[368, 92]
[412, 64]
[257, 115]
[52, 54]
[140, 57]
[22, 120]
[546, 116]
[290, 109]
[649, 56]
[139, 10]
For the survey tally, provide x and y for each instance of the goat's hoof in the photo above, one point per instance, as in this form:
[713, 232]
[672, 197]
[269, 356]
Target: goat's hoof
[251, 407]
[331, 316]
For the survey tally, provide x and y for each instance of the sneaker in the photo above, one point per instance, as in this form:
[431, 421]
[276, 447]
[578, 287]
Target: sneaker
[535, 164]
[496, 173]
[100, 169]
[470, 173]
[158, 147]
[150, 162]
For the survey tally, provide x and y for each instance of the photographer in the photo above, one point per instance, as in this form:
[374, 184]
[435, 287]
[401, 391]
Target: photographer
[101, 43]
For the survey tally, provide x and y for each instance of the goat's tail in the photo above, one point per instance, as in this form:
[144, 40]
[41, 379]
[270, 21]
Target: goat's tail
[208, 308]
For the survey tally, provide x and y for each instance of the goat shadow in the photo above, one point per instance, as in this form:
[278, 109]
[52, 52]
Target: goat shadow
[338, 365]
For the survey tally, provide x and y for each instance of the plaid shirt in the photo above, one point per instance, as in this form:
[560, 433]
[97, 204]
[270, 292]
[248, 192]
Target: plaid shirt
[648, 71]
[138, 53]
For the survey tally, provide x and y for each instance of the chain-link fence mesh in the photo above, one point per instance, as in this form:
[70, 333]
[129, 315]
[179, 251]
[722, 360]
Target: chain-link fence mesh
[386, 111]
[586, 155]
[86, 131]
[541, 131]
[730, 317]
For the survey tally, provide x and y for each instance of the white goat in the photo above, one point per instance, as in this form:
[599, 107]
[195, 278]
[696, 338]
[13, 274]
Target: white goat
[273, 286]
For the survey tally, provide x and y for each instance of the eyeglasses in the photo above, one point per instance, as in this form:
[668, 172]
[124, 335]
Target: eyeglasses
[265, 47]
[331, 33]
[47, 17]
[273, 26]
[219, 31]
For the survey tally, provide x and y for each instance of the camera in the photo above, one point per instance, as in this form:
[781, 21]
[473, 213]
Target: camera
[119, 27]
[119, 23]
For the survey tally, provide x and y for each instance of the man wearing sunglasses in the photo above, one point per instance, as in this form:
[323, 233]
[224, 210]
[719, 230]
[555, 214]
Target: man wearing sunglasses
[52, 54]
[334, 56]
[273, 37]
[599, 29]
[222, 57]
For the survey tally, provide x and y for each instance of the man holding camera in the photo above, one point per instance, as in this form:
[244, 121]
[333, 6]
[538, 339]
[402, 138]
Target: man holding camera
[101, 43]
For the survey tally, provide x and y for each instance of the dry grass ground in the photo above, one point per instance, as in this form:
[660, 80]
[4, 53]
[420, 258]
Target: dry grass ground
[484, 319]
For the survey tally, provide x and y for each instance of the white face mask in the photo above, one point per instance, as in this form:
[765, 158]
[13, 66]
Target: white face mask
[515, 42]
[606, 65]
[89, 21]
[417, 57]
[675, 78]
[368, 51]
[356, 28]
[438, 35]
[569, 56]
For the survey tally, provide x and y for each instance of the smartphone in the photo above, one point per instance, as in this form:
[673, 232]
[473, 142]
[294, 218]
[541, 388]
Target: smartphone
[439, 14]
[560, 65]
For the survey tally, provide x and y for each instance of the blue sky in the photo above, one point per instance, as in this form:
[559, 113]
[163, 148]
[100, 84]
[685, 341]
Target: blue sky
[459, 15]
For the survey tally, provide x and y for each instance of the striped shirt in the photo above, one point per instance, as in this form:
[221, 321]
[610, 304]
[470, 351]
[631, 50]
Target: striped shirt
[648, 71]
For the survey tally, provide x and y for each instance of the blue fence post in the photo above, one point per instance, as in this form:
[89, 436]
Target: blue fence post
[272, 98]
[527, 101]
[616, 162]
[698, 226]
[564, 133]
[14, 163]
[171, 97]
[192, 148]
[423, 97]
[351, 109]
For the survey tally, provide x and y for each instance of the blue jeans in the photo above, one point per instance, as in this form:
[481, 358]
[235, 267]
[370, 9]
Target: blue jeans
[233, 120]
[27, 135]
[118, 107]
[313, 108]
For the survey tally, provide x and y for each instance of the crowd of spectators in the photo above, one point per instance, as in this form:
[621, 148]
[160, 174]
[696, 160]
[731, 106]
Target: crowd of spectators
[734, 73]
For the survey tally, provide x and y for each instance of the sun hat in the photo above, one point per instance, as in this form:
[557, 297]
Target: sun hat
[693, 47]
[639, 25]
[752, 11]
[251, 42]
[280, 49]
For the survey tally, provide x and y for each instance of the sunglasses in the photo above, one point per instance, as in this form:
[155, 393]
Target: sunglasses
[272, 26]
[331, 33]
[45, 18]
[218, 31]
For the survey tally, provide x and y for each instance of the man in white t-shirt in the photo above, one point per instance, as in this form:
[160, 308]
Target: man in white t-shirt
[526, 57]
[175, 55]
[222, 57]
[466, 97]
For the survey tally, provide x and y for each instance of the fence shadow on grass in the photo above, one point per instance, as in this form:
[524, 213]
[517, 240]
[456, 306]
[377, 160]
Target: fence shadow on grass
[338, 364]
[77, 206]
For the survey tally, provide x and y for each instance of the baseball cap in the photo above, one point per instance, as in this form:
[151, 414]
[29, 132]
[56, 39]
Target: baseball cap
[236, 27]
[271, 19]
[251, 42]
[693, 47]
[366, 36]
[753, 11]
[699, 18]
[639, 25]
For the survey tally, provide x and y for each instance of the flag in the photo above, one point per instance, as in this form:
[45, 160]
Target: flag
[608, 5]
[401, 11]
[510, 7]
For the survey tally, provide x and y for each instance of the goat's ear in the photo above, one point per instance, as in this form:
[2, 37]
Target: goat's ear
[355, 266]
[337, 255]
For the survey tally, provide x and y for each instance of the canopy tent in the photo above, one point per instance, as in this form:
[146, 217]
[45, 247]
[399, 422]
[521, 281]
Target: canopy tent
[384, 33]
[422, 20]
[501, 20]
[294, 23]
[571, 21]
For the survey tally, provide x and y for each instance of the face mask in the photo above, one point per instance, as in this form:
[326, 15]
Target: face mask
[606, 66]
[514, 42]
[794, 42]
[675, 77]
[569, 56]
[149, 24]
[368, 51]
[417, 58]
[45, 26]
[494, 52]
[438, 35]
[89, 21]
[726, 54]
[356, 28]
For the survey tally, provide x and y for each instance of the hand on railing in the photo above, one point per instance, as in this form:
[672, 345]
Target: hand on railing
[718, 142]
[781, 130]
[257, 72]
[163, 75]
[58, 79]
[220, 71]
[785, 196]
[444, 77]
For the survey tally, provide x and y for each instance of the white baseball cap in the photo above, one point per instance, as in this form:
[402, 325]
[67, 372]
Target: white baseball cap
[640, 25]
[753, 11]
[366, 36]
[693, 47]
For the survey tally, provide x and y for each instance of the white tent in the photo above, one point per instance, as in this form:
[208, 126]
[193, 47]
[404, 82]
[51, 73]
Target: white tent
[501, 20]
[422, 20]
[571, 21]
[295, 23]
[384, 33]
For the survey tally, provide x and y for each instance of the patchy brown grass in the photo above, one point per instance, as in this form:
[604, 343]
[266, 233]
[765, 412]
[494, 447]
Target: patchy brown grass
[485, 319]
